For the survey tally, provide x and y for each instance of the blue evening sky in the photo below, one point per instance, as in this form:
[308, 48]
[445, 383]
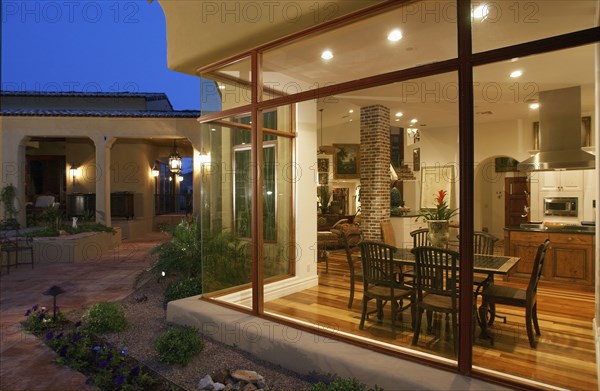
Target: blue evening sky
[90, 46]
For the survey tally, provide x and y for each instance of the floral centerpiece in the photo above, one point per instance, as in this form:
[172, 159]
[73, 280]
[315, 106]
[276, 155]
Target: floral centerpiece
[437, 219]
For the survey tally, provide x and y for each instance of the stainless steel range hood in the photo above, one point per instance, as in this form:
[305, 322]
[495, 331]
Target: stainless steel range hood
[561, 134]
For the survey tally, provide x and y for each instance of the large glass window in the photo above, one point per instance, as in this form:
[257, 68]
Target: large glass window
[503, 23]
[515, 118]
[228, 86]
[405, 37]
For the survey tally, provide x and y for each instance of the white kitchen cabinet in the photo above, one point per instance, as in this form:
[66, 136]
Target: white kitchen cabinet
[561, 181]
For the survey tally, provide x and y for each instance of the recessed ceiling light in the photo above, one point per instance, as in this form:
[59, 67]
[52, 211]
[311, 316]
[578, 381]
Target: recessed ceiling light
[414, 121]
[534, 106]
[397, 120]
[514, 59]
[327, 55]
[517, 73]
[351, 120]
[481, 12]
[351, 111]
[395, 35]
[213, 129]
[399, 114]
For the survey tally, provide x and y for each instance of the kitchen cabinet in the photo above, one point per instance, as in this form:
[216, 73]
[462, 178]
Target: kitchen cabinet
[561, 181]
[569, 260]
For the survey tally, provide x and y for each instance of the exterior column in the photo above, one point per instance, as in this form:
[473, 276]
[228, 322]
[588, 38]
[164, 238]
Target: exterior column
[374, 169]
[12, 150]
[103, 145]
[196, 140]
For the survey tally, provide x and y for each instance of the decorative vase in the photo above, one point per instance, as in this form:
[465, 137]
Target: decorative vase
[438, 232]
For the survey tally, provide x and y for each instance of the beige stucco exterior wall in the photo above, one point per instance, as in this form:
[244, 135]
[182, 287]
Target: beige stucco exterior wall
[110, 161]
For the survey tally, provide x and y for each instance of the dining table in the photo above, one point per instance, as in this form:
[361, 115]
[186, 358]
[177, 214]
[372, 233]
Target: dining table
[482, 263]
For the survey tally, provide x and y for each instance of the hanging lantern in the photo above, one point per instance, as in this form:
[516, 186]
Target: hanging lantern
[175, 160]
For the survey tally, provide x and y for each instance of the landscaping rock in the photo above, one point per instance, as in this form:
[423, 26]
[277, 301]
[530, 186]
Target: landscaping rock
[206, 383]
[218, 386]
[247, 376]
[221, 376]
[249, 387]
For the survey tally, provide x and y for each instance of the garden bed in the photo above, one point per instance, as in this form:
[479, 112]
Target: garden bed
[81, 247]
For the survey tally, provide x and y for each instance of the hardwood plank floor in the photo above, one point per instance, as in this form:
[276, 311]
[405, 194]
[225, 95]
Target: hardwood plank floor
[564, 357]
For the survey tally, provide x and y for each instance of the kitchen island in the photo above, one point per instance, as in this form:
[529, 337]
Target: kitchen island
[569, 261]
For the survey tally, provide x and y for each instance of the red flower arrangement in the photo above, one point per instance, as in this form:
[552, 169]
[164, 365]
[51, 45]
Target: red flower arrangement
[441, 211]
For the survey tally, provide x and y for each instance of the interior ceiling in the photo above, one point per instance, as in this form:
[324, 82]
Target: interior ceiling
[429, 35]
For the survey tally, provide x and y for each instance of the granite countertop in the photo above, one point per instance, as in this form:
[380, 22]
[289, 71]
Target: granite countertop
[590, 230]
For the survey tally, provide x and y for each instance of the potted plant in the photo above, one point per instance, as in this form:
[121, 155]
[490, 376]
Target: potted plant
[438, 219]
[324, 198]
[8, 195]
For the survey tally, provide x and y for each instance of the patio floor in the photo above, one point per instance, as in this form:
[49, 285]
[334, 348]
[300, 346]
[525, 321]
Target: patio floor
[25, 362]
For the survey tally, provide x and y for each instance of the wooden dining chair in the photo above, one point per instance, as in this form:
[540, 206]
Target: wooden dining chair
[387, 233]
[382, 282]
[436, 287]
[352, 237]
[527, 298]
[483, 243]
[420, 238]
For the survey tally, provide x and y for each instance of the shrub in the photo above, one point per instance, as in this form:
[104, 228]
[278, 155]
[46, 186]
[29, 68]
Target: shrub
[183, 288]
[178, 345]
[343, 384]
[105, 317]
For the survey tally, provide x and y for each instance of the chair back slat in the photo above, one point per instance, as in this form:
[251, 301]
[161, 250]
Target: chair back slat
[538, 266]
[420, 237]
[483, 243]
[387, 232]
[352, 236]
[378, 264]
[436, 270]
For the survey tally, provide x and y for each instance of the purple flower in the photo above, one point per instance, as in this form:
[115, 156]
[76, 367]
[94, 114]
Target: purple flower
[59, 335]
[119, 380]
[41, 316]
[135, 371]
[49, 335]
[28, 312]
[124, 351]
[63, 350]
[35, 307]
[96, 348]
[78, 324]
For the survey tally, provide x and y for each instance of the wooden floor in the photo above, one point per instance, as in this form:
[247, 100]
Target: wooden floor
[565, 356]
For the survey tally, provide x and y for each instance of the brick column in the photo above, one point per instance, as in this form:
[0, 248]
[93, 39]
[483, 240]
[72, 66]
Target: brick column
[374, 169]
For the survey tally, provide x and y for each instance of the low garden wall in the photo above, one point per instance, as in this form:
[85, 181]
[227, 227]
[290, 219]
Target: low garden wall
[82, 247]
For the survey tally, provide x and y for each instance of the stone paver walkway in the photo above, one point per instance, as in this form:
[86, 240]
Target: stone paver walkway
[25, 362]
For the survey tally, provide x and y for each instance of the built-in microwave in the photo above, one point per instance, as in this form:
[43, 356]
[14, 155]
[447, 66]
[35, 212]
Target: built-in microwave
[560, 206]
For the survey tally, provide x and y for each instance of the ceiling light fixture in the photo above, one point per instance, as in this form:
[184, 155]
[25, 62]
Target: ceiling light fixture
[534, 106]
[399, 114]
[517, 73]
[414, 121]
[481, 12]
[327, 55]
[395, 35]
[351, 111]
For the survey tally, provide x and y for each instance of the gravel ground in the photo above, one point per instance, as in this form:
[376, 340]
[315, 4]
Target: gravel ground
[146, 315]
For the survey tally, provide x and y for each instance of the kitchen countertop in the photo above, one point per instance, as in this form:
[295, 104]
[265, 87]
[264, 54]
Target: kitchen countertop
[590, 230]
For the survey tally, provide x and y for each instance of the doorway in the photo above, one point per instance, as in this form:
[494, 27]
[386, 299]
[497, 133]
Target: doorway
[516, 202]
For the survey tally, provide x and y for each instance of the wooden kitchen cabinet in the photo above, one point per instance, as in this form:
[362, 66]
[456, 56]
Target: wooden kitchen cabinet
[524, 245]
[569, 260]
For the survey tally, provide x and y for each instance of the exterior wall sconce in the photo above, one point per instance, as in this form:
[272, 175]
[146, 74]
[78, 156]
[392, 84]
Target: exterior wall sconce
[154, 172]
[75, 171]
[175, 160]
[179, 178]
[205, 158]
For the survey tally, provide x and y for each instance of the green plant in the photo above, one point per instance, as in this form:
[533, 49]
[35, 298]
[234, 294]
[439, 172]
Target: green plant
[8, 194]
[343, 384]
[324, 195]
[178, 345]
[441, 211]
[53, 218]
[183, 288]
[225, 262]
[105, 317]
[181, 256]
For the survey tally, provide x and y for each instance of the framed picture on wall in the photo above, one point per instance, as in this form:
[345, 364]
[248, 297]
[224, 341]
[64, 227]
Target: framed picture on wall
[346, 161]
[416, 159]
[322, 165]
[323, 178]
